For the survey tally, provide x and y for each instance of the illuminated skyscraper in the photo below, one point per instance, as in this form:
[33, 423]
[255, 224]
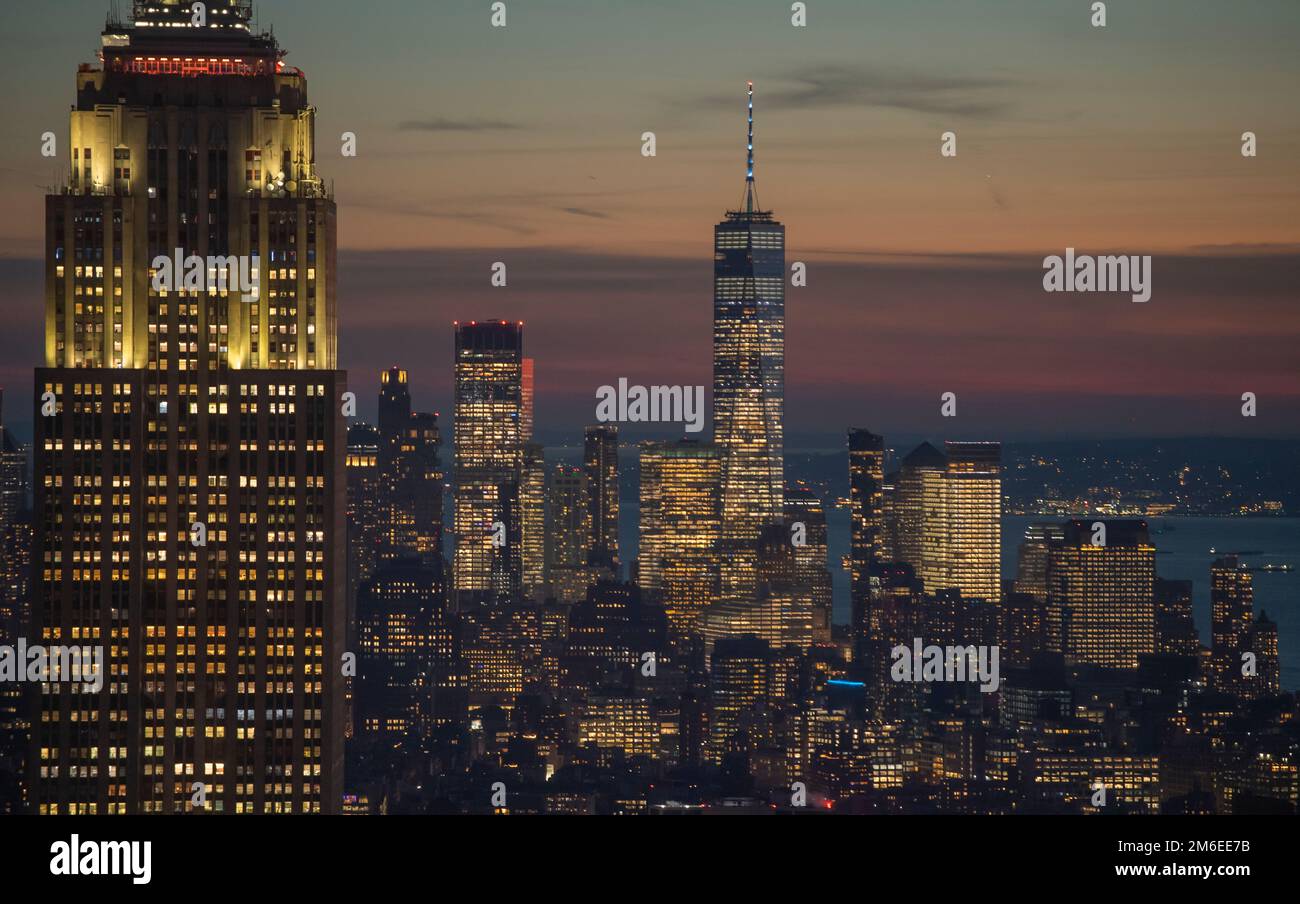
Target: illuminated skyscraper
[1262, 641]
[949, 517]
[15, 610]
[410, 474]
[1101, 598]
[783, 612]
[1031, 563]
[866, 506]
[741, 683]
[568, 536]
[409, 676]
[489, 447]
[526, 396]
[748, 375]
[681, 522]
[971, 550]
[190, 492]
[366, 514]
[1175, 628]
[918, 506]
[1232, 612]
[805, 533]
[15, 529]
[365, 504]
[532, 504]
[600, 461]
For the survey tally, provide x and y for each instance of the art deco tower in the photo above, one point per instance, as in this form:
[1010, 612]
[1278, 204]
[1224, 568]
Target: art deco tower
[189, 440]
[748, 373]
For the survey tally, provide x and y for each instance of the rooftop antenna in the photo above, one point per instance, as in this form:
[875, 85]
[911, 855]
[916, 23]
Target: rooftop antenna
[749, 155]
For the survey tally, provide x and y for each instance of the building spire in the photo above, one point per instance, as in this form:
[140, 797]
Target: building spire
[750, 206]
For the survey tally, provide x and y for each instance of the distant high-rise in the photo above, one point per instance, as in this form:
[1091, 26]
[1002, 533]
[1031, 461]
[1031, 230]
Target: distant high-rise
[1232, 612]
[410, 471]
[741, 681]
[15, 529]
[208, 559]
[681, 522]
[972, 530]
[806, 533]
[15, 610]
[918, 507]
[568, 534]
[748, 374]
[600, 461]
[1262, 641]
[526, 391]
[866, 506]
[949, 517]
[394, 404]
[783, 612]
[1175, 628]
[366, 501]
[1101, 597]
[891, 615]
[1031, 564]
[532, 521]
[488, 447]
[409, 676]
[367, 511]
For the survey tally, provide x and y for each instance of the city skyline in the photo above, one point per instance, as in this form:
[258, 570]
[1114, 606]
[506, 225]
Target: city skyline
[924, 273]
[258, 574]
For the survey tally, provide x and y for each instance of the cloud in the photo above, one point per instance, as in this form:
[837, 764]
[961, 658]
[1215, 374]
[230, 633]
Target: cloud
[584, 212]
[442, 124]
[843, 85]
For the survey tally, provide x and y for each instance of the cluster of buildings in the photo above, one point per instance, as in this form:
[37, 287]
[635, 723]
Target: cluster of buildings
[294, 622]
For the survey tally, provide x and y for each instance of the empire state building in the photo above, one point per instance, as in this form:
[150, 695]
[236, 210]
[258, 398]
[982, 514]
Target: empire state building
[748, 375]
[189, 439]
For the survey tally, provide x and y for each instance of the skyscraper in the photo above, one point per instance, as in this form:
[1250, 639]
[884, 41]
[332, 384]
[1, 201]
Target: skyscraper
[1101, 597]
[949, 517]
[918, 507]
[489, 446]
[190, 500]
[972, 529]
[568, 535]
[681, 523]
[748, 374]
[15, 528]
[783, 613]
[1232, 611]
[410, 474]
[866, 505]
[806, 533]
[15, 610]
[600, 461]
[409, 677]
[1031, 562]
[532, 505]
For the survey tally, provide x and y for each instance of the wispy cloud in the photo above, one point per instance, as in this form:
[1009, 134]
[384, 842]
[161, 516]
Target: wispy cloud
[584, 212]
[443, 124]
[853, 85]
